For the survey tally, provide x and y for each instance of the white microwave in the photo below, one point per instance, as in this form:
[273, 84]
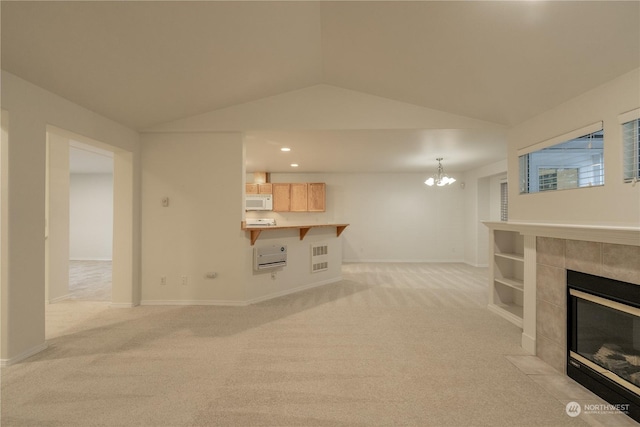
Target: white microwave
[258, 202]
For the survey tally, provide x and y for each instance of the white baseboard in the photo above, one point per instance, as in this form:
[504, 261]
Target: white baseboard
[122, 305]
[232, 303]
[404, 260]
[528, 343]
[476, 265]
[23, 355]
[58, 299]
[294, 290]
[195, 302]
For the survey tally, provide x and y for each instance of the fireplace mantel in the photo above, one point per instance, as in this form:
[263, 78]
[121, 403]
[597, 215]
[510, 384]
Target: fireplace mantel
[591, 233]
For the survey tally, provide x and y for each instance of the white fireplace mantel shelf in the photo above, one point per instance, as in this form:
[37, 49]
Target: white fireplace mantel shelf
[592, 233]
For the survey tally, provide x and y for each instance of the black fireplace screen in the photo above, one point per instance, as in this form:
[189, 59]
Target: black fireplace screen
[610, 338]
[603, 332]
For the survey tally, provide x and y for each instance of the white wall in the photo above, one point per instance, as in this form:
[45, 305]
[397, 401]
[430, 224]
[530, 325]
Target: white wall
[392, 217]
[57, 218]
[495, 196]
[615, 203]
[202, 174]
[478, 208]
[91, 216]
[32, 110]
[4, 227]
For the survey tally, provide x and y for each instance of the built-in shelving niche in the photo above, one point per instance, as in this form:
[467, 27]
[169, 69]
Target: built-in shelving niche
[507, 294]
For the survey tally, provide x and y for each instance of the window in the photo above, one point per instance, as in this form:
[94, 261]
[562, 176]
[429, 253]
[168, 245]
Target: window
[630, 150]
[557, 179]
[573, 160]
[504, 202]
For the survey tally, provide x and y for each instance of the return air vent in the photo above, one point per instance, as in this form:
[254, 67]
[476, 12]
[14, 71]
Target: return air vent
[319, 257]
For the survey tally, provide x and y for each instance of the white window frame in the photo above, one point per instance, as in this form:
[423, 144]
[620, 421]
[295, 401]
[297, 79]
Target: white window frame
[630, 148]
[504, 200]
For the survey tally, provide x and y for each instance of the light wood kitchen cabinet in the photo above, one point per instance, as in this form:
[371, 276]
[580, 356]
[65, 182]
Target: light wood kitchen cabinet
[251, 188]
[265, 188]
[258, 188]
[299, 197]
[281, 197]
[316, 197]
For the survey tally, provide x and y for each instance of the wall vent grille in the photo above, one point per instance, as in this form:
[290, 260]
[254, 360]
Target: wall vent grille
[319, 257]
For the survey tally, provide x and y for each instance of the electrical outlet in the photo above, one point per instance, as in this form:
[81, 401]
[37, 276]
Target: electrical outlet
[163, 281]
[184, 280]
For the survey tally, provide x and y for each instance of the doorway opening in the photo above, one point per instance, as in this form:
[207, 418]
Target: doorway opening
[90, 222]
[87, 256]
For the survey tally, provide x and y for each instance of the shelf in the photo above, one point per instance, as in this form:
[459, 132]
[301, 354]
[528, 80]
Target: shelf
[303, 229]
[513, 256]
[594, 233]
[506, 286]
[512, 279]
[512, 283]
[512, 313]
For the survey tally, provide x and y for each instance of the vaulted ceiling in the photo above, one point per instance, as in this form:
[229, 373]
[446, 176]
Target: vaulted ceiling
[145, 63]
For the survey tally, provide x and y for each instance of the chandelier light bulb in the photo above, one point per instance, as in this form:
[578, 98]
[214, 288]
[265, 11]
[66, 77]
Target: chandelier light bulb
[439, 178]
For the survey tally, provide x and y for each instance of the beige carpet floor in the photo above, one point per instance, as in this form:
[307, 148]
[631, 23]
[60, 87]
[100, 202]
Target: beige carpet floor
[390, 345]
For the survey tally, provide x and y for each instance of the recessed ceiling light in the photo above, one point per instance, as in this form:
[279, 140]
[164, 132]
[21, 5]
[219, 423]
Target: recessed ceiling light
[294, 165]
[285, 149]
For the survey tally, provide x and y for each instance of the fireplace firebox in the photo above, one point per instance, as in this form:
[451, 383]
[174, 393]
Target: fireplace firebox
[603, 334]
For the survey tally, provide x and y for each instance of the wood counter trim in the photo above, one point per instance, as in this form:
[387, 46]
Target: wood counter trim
[254, 236]
[304, 229]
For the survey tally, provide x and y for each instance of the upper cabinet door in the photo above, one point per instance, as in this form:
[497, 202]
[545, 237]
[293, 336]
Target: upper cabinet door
[281, 197]
[265, 188]
[299, 197]
[316, 197]
[251, 188]
[295, 197]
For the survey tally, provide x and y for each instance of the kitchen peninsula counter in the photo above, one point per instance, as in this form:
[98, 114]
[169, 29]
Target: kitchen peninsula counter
[304, 229]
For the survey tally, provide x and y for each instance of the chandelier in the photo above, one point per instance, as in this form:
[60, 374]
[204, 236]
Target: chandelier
[440, 178]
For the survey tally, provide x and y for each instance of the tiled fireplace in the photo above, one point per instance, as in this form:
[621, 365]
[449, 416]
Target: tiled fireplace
[602, 266]
[554, 257]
